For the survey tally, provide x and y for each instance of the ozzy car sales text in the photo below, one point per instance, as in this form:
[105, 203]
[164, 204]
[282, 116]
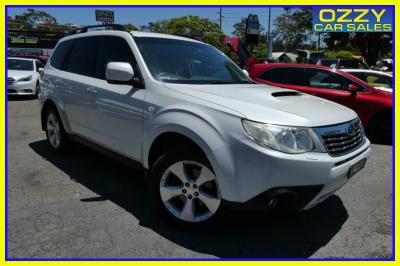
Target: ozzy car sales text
[352, 19]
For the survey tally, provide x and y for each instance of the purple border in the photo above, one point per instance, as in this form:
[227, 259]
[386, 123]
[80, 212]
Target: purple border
[7, 258]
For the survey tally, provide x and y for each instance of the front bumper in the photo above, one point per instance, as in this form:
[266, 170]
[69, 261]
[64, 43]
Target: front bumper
[251, 171]
[22, 88]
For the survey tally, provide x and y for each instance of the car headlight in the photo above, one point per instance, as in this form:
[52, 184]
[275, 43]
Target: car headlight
[28, 78]
[283, 138]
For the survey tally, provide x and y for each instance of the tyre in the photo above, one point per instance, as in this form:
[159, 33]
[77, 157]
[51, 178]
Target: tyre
[185, 190]
[37, 89]
[379, 130]
[55, 133]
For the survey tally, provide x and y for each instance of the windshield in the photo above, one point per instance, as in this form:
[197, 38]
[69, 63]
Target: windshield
[19, 64]
[177, 61]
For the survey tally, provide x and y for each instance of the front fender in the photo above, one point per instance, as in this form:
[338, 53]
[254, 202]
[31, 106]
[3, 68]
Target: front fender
[206, 133]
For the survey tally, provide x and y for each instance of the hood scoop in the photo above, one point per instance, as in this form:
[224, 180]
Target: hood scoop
[285, 93]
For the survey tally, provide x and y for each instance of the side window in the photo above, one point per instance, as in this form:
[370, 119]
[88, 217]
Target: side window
[266, 75]
[320, 78]
[378, 80]
[82, 58]
[113, 49]
[285, 75]
[58, 57]
[359, 75]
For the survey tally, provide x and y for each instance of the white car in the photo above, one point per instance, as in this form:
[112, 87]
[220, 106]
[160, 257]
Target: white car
[208, 137]
[377, 79]
[23, 76]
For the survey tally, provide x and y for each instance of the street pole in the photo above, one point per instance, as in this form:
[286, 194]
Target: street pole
[269, 35]
[220, 18]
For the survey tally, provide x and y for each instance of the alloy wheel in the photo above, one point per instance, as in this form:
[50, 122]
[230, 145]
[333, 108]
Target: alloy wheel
[53, 130]
[189, 191]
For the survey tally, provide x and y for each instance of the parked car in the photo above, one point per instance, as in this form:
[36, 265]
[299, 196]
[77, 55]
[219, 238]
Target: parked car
[23, 76]
[343, 63]
[373, 106]
[377, 79]
[42, 58]
[207, 136]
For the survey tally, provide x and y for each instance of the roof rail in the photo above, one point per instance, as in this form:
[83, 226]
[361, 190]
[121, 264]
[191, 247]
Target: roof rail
[118, 27]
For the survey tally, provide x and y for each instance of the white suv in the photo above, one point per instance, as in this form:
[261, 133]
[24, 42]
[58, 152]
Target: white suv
[207, 136]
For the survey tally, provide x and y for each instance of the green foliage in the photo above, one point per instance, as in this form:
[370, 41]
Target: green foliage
[35, 20]
[301, 60]
[191, 27]
[292, 29]
[286, 59]
[260, 50]
[371, 45]
[342, 54]
[130, 27]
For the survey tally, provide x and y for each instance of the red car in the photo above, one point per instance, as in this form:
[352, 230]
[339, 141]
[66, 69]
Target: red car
[373, 106]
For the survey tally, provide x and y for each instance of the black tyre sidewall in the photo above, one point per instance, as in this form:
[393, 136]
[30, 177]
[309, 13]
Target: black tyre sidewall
[155, 175]
[37, 88]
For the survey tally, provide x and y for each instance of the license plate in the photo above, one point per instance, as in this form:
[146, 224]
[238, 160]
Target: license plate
[354, 169]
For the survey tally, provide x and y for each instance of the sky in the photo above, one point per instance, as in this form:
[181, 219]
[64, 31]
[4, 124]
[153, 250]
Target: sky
[142, 16]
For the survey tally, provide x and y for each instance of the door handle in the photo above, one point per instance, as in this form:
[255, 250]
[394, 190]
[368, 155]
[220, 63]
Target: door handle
[91, 91]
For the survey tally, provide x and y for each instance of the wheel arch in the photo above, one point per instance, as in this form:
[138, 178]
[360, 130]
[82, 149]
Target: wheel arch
[47, 104]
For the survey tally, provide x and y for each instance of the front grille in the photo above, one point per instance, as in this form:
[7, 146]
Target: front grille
[343, 138]
[10, 81]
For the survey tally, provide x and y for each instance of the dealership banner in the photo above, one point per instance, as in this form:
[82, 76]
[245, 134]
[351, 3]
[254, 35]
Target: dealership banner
[347, 19]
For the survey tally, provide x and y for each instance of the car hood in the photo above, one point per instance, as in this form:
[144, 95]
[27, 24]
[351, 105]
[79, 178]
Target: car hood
[18, 74]
[269, 104]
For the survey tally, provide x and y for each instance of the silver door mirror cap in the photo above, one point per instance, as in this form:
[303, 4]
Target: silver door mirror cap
[119, 71]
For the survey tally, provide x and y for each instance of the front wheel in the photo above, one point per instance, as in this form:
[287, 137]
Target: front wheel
[185, 189]
[55, 133]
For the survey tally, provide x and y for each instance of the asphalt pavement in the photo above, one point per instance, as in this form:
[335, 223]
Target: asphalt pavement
[85, 205]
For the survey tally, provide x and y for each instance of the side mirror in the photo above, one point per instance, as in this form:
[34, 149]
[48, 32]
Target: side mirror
[41, 70]
[246, 72]
[352, 88]
[119, 72]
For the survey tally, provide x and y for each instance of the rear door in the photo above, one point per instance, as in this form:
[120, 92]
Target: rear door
[73, 83]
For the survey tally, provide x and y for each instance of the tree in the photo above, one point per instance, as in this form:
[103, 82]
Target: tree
[130, 27]
[259, 50]
[292, 29]
[371, 45]
[37, 21]
[191, 27]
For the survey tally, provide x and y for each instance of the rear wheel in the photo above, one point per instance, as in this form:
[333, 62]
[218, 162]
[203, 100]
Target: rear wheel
[55, 133]
[185, 189]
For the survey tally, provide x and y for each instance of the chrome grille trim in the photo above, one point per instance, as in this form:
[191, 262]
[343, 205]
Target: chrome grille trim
[342, 138]
[10, 81]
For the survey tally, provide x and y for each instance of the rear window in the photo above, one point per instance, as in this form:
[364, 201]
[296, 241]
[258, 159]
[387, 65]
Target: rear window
[58, 57]
[285, 75]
